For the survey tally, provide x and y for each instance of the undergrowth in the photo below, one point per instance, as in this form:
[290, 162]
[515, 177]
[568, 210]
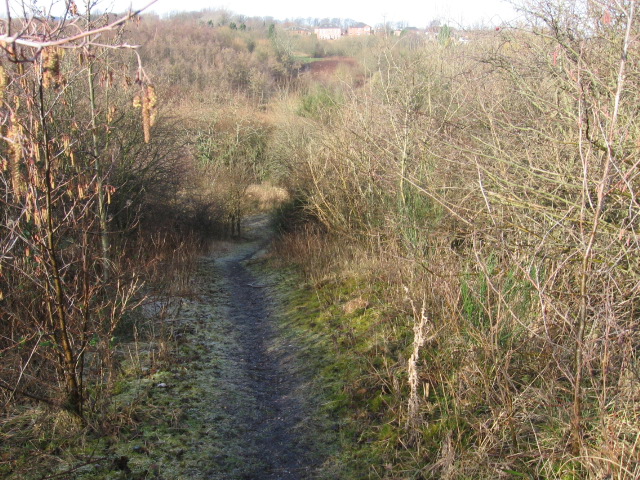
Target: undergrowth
[485, 400]
[39, 442]
[358, 345]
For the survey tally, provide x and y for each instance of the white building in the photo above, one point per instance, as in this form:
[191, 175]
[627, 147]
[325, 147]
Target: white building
[328, 33]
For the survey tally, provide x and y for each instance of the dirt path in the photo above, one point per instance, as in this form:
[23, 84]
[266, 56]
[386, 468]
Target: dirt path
[241, 389]
[269, 388]
[233, 395]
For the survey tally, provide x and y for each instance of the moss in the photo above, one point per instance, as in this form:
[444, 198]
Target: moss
[349, 350]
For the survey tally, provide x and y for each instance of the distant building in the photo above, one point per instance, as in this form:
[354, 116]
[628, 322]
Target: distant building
[299, 30]
[408, 31]
[359, 29]
[328, 32]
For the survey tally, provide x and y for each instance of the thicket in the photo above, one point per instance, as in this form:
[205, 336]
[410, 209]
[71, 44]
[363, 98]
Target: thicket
[97, 217]
[112, 182]
[218, 84]
[487, 193]
[471, 209]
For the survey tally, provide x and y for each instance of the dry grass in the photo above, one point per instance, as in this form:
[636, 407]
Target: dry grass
[265, 197]
[492, 204]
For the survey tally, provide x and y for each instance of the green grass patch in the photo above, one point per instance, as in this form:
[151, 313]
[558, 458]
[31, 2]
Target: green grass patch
[306, 59]
[357, 346]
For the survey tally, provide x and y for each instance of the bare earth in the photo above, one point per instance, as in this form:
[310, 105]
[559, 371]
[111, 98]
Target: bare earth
[245, 413]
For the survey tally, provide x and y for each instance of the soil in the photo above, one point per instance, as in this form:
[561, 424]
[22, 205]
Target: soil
[248, 408]
[328, 66]
[271, 415]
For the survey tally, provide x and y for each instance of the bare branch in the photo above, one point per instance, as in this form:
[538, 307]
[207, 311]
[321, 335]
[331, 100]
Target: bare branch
[8, 40]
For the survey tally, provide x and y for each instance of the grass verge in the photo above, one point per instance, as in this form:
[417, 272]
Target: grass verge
[357, 346]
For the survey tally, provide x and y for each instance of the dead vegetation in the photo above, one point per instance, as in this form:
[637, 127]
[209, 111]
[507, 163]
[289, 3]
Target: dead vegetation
[466, 215]
[493, 183]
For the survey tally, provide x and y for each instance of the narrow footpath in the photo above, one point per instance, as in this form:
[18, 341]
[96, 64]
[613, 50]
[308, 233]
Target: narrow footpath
[240, 387]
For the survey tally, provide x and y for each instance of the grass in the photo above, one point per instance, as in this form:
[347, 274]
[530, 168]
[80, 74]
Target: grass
[174, 415]
[304, 59]
[39, 442]
[353, 338]
[487, 410]
[359, 354]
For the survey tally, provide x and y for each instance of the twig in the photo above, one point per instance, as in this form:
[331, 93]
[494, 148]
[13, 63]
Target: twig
[10, 40]
[25, 394]
[77, 467]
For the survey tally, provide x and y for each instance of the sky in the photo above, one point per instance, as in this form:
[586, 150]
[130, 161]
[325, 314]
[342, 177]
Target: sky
[415, 13]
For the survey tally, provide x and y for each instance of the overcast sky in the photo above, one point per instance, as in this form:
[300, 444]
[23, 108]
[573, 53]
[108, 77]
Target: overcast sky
[417, 13]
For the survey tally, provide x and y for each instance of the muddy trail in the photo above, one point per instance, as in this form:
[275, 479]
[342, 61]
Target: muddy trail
[246, 411]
